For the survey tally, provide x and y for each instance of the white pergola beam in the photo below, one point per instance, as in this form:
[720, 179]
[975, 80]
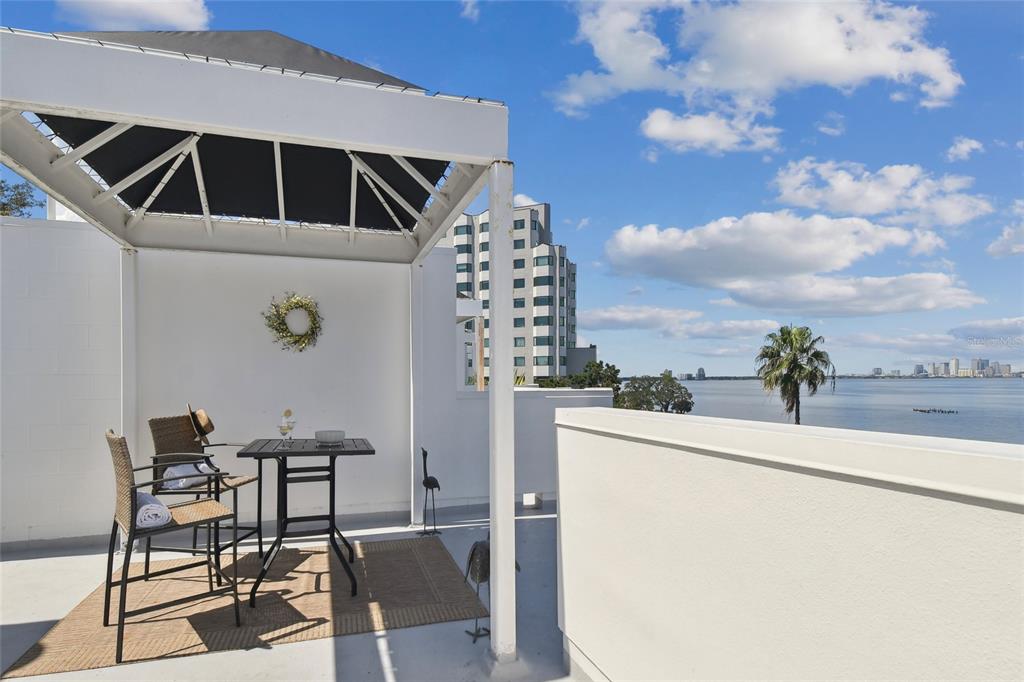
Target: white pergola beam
[141, 210]
[26, 151]
[145, 170]
[197, 166]
[464, 185]
[90, 145]
[418, 177]
[283, 229]
[44, 75]
[377, 179]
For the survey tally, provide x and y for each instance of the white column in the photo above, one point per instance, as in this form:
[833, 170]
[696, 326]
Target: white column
[502, 417]
[129, 392]
[416, 390]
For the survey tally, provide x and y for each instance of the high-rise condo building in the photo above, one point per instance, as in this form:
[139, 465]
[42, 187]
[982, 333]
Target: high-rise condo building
[543, 289]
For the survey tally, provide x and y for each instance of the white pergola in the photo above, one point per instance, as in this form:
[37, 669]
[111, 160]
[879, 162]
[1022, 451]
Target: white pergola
[375, 129]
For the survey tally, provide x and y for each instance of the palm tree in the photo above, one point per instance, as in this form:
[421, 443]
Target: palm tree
[791, 357]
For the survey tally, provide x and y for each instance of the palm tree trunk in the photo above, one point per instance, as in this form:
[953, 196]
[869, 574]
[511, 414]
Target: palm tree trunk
[797, 404]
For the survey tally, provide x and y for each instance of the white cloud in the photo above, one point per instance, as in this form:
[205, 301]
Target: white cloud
[962, 149]
[775, 261]
[523, 200]
[470, 10]
[855, 296]
[898, 193]
[1002, 338]
[635, 291]
[583, 222]
[833, 123]
[734, 59]
[674, 323]
[926, 243]
[1019, 145]
[757, 245]
[1002, 327]
[727, 302]
[710, 132]
[651, 155]
[136, 15]
[1011, 240]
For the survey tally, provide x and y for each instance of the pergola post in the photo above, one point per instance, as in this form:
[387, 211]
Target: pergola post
[502, 417]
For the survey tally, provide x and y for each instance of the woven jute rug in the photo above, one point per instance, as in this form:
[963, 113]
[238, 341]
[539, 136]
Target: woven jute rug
[305, 596]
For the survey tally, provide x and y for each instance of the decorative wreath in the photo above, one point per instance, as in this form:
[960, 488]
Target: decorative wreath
[276, 320]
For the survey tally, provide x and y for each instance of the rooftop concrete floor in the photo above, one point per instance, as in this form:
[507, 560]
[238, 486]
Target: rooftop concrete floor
[37, 588]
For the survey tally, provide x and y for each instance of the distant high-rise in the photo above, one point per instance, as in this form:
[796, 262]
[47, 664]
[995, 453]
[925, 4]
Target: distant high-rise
[954, 367]
[919, 369]
[700, 374]
[877, 371]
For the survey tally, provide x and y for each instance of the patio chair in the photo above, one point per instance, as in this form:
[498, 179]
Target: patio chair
[175, 441]
[192, 513]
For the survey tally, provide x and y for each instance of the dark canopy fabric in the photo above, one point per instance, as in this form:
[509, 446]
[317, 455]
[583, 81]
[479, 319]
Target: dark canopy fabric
[240, 176]
[266, 48]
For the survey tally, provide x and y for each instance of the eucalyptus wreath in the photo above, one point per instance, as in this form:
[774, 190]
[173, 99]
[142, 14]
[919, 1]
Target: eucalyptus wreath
[275, 315]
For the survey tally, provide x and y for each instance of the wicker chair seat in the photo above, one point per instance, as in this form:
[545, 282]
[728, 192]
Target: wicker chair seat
[191, 513]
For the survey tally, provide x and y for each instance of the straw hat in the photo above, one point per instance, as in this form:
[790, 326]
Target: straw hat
[201, 422]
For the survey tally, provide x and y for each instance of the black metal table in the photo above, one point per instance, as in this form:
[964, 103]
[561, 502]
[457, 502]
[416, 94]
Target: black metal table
[287, 474]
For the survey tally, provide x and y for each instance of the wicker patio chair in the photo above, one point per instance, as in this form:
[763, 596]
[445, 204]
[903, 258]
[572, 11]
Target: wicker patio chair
[175, 442]
[205, 511]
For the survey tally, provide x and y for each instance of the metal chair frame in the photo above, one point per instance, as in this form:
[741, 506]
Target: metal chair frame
[134, 533]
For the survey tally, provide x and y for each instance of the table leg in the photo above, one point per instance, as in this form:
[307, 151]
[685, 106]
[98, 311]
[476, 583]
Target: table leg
[334, 531]
[282, 511]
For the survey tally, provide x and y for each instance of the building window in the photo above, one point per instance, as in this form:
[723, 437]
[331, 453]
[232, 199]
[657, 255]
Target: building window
[519, 361]
[485, 266]
[518, 283]
[484, 285]
[543, 281]
[543, 260]
[561, 360]
[484, 246]
[534, 225]
[519, 244]
[543, 321]
[487, 303]
[519, 322]
[561, 261]
[519, 263]
[485, 227]
[519, 341]
[561, 341]
[541, 360]
[487, 323]
[518, 302]
[468, 326]
[487, 362]
[543, 340]
[519, 224]
[542, 300]
[463, 248]
[463, 267]
[463, 229]
[561, 282]
[561, 321]
[561, 301]
[464, 287]
[487, 343]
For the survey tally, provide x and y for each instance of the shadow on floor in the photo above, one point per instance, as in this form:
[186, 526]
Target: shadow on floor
[17, 638]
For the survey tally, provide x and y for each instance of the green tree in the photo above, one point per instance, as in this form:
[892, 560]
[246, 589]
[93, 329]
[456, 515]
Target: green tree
[790, 357]
[18, 199]
[596, 374]
[662, 393]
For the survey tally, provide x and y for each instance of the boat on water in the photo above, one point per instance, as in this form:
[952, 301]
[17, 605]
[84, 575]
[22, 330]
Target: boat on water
[934, 410]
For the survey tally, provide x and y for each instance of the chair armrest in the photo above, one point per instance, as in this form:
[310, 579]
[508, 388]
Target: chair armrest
[217, 475]
[217, 445]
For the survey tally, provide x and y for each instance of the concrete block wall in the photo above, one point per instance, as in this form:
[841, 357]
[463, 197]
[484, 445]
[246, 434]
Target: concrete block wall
[60, 369]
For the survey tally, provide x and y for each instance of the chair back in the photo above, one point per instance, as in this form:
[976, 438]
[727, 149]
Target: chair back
[174, 440]
[124, 479]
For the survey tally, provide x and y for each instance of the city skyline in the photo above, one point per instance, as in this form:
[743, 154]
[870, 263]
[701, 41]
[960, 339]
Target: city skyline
[711, 190]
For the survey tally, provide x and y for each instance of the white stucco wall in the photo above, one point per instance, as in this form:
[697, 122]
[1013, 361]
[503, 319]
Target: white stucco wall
[60, 376]
[700, 548]
[201, 338]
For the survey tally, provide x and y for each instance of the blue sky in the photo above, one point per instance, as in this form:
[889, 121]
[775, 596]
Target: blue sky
[717, 170]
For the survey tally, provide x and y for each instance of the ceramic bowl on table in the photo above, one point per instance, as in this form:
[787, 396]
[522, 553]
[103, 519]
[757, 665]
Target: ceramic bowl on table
[329, 437]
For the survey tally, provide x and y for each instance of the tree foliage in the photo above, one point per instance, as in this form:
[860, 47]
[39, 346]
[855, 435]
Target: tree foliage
[18, 199]
[661, 393]
[596, 374]
[790, 357]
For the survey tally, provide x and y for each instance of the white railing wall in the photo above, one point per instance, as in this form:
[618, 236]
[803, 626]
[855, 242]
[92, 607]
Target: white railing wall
[699, 548]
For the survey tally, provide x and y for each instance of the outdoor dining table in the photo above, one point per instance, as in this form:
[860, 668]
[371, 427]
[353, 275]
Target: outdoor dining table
[288, 473]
